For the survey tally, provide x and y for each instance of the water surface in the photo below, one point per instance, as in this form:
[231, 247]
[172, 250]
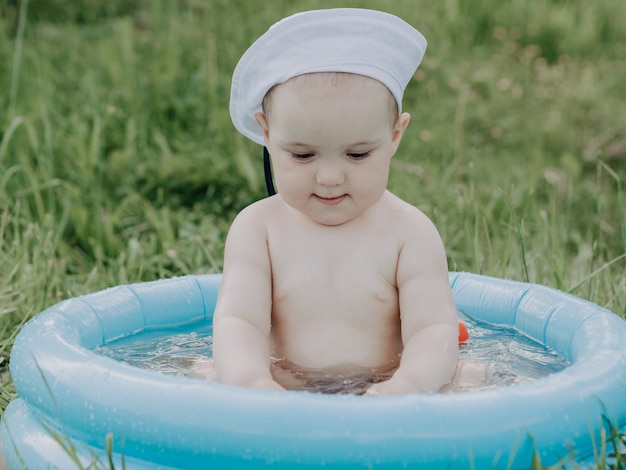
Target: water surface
[509, 356]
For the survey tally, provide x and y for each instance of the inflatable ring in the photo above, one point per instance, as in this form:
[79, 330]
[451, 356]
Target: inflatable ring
[68, 393]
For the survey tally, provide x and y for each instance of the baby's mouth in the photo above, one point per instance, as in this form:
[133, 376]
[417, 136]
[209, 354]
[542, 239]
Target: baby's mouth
[330, 201]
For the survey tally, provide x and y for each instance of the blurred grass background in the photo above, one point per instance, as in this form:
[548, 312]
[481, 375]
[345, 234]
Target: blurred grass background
[119, 163]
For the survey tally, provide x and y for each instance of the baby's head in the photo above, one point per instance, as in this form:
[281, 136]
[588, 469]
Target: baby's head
[331, 136]
[327, 49]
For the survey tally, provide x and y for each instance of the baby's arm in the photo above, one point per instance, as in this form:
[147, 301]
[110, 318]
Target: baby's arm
[428, 316]
[242, 321]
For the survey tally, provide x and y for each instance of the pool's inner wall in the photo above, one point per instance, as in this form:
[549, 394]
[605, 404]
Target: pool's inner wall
[186, 423]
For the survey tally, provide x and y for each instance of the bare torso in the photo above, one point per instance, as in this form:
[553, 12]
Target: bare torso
[370, 295]
[335, 300]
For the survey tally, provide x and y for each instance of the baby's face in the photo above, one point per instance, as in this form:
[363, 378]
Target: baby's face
[331, 138]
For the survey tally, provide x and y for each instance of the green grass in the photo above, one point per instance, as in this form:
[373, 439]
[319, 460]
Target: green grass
[119, 163]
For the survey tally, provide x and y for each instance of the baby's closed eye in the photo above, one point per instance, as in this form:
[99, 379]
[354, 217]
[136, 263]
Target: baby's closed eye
[301, 156]
[358, 155]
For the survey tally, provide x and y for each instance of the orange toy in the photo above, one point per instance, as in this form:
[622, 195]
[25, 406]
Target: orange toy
[463, 334]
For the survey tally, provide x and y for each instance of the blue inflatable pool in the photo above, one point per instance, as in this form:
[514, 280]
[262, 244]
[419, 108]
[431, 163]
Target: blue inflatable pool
[68, 393]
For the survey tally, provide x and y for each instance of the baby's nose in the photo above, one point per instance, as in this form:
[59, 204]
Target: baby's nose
[330, 174]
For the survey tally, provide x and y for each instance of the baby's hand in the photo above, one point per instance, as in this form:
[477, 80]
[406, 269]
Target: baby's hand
[393, 386]
[203, 369]
[266, 384]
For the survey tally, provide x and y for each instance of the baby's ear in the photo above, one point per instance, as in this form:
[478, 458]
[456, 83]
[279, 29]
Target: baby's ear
[402, 121]
[262, 120]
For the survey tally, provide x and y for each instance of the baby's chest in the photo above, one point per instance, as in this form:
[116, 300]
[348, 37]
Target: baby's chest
[335, 278]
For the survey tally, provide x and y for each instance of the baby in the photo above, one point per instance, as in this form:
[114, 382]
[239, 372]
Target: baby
[333, 273]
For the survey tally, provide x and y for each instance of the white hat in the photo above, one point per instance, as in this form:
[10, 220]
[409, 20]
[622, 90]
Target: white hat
[365, 42]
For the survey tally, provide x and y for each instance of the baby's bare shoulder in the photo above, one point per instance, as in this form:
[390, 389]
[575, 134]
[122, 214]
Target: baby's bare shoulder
[248, 232]
[256, 215]
[419, 239]
[408, 219]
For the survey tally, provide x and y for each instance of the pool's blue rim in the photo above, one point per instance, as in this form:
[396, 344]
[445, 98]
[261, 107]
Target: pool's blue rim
[97, 395]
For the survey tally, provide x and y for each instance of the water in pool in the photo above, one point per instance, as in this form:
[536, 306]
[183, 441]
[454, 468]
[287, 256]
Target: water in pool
[510, 357]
